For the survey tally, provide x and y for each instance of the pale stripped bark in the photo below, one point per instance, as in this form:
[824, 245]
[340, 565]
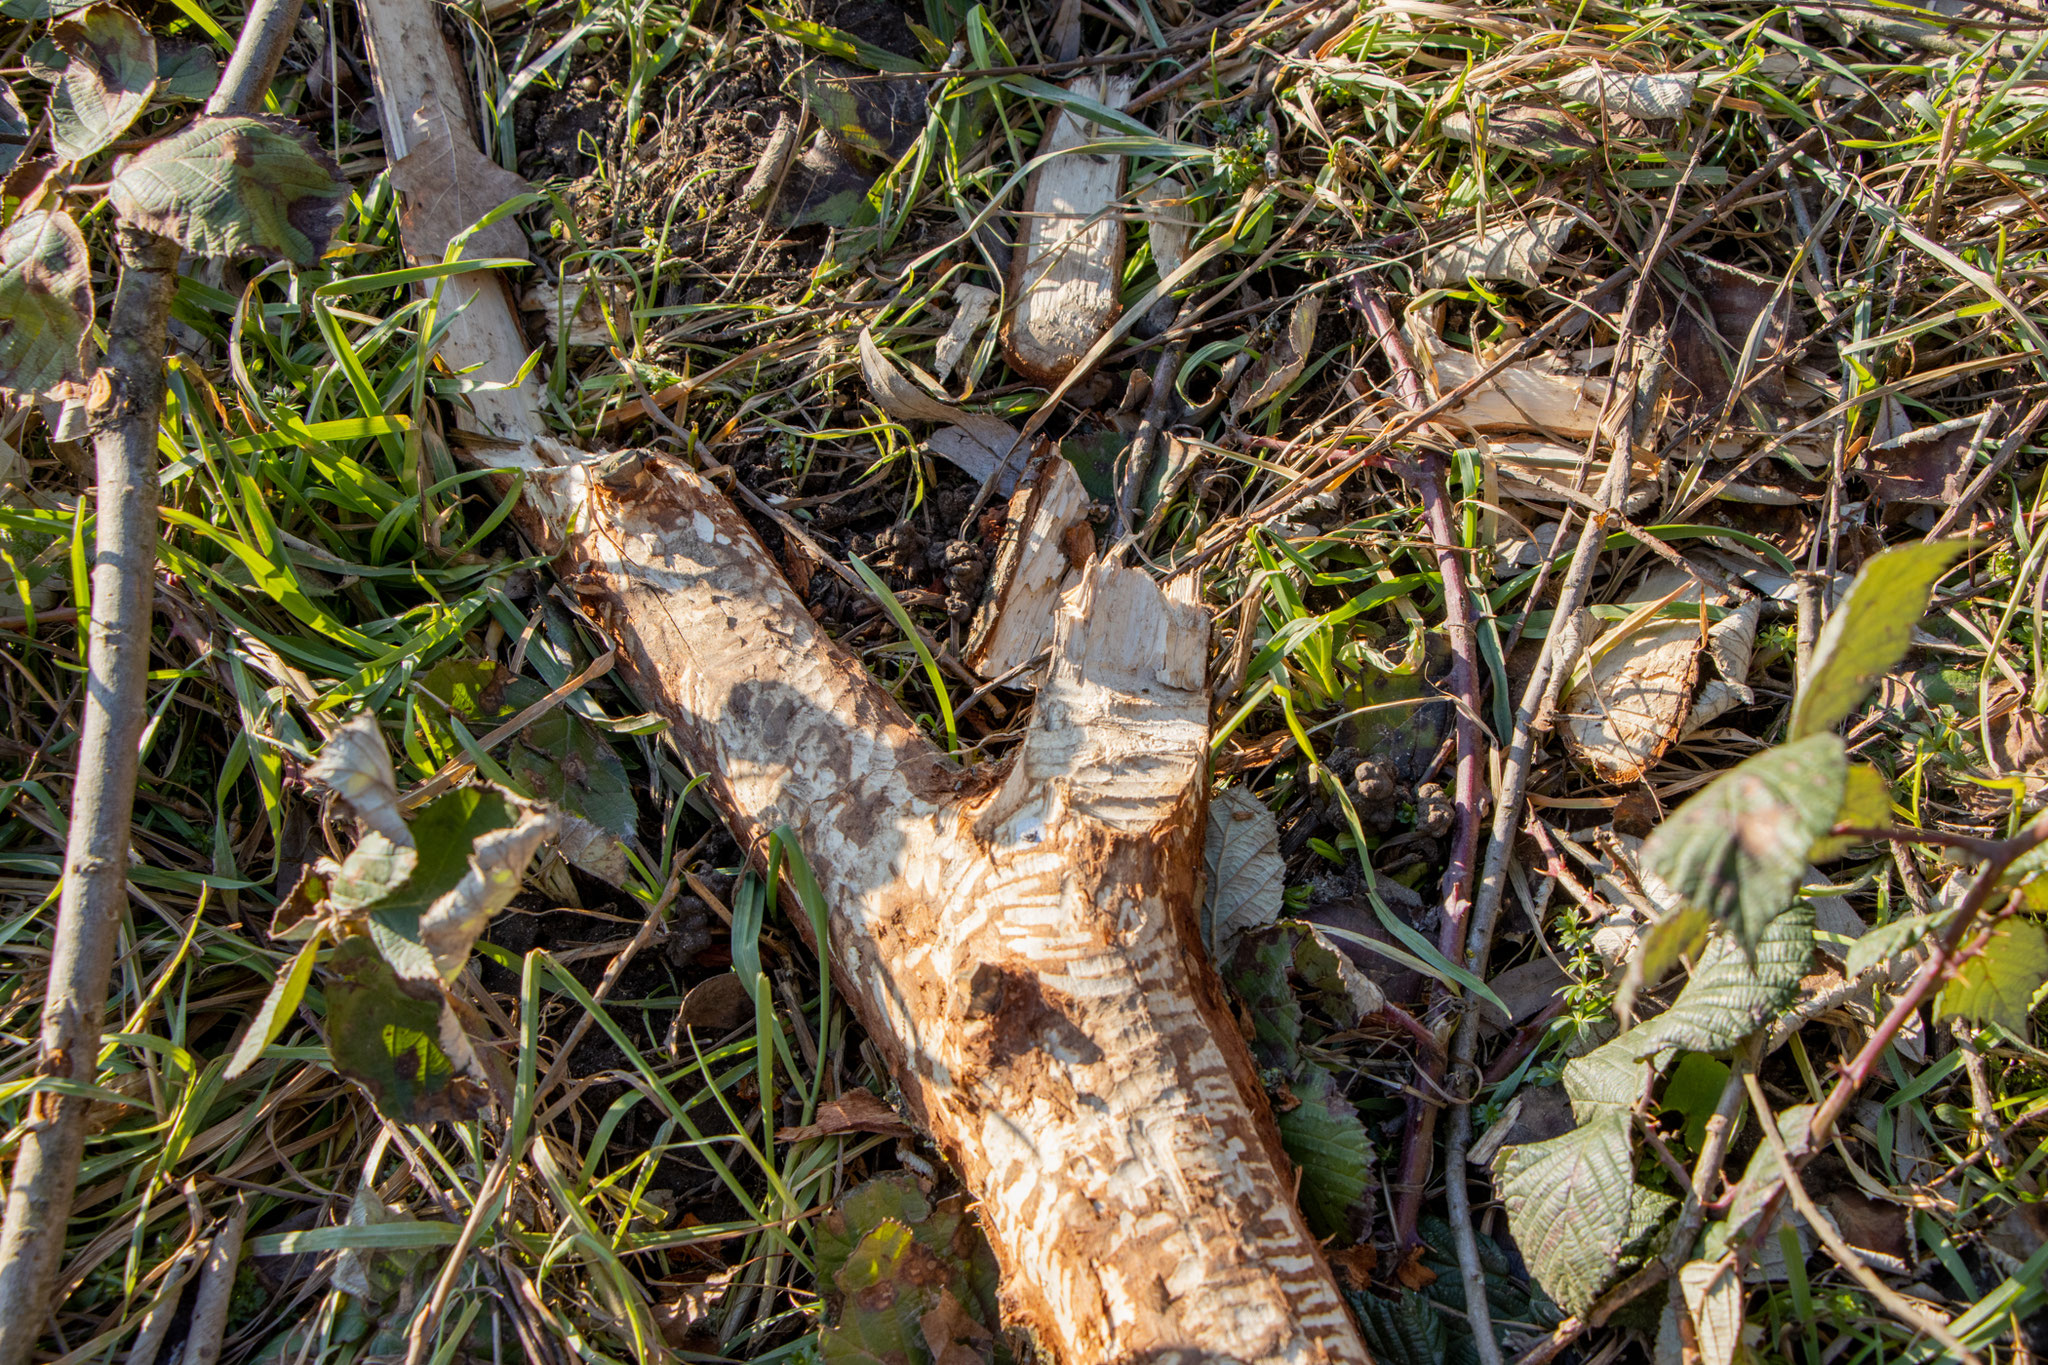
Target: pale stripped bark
[1021, 945]
[1020, 940]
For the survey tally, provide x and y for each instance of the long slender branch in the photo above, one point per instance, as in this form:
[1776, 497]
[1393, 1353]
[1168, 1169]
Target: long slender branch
[127, 395]
[125, 405]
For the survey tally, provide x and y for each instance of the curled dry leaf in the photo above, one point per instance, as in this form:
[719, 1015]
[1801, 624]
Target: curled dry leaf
[856, 1111]
[1547, 472]
[1637, 689]
[1929, 465]
[1526, 396]
[975, 441]
[972, 305]
[1549, 137]
[1066, 270]
[1270, 378]
[106, 83]
[497, 862]
[1731, 644]
[355, 765]
[1713, 1297]
[1169, 230]
[45, 302]
[445, 185]
[1514, 253]
[1643, 95]
[227, 186]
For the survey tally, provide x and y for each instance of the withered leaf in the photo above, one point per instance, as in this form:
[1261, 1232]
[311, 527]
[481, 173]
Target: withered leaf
[107, 80]
[856, 1111]
[45, 302]
[399, 1040]
[445, 185]
[227, 186]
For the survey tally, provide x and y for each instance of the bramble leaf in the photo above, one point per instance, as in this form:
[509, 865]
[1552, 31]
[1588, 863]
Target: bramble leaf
[1869, 633]
[1569, 1203]
[106, 83]
[1883, 941]
[1866, 804]
[1998, 985]
[228, 186]
[1738, 849]
[185, 71]
[1728, 996]
[1327, 1140]
[45, 302]
[399, 1040]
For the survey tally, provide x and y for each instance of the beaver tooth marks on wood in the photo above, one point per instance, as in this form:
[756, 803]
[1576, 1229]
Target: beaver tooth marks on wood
[1071, 253]
[1021, 944]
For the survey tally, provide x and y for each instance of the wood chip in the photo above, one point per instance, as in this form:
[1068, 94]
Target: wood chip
[1034, 565]
[971, 306]
[1068, 264]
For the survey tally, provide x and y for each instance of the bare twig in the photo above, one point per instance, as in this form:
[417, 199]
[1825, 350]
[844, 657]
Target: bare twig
[127, 395]
[216, 1290]
[126, 401]
[1845, 1255]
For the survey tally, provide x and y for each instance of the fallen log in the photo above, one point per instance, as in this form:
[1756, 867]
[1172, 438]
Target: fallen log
[1021, 940]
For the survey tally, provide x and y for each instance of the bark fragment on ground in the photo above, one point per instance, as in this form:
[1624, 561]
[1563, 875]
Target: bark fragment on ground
[1064, 282]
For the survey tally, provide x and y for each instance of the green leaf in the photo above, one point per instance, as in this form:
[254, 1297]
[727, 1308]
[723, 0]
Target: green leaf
[1693, 1092]
[836, 43]
[1728, 996]
[1738, 849]
[399, 1040]
[228, 186]
[1998, 985]
[1247, 877]
[562, 758]
[1869, 633]
[14, 129]
[444, 831]
[1325, 1137]
[106, 83]
[902, 1272]
[276, 1011]
[1569, 1203]
[45, 302]
[496, 865]
[1866, 804]
[1883, 941]
[1606, 1080]
[185, 71]
[1670, 938]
